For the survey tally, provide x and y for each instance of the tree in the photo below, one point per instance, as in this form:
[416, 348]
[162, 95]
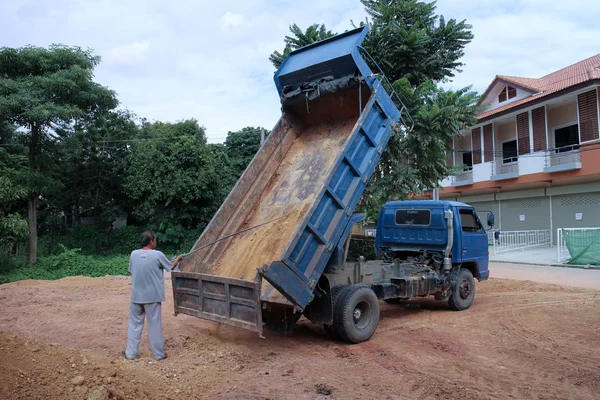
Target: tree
[410, 41]
[242, 146]
[416, 50]
[173, 179]
[415, 161]
[42, 90]
[12, 188]
[300, 38]
[92, 158]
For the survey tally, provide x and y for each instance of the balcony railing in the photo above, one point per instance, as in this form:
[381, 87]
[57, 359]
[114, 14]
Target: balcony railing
[463, 178]
[505, 168]
[563, 159]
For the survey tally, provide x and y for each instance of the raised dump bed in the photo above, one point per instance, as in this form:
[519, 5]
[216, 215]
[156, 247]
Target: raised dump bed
[270, 241]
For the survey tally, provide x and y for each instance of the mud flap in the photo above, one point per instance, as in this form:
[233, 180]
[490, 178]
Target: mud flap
[225, 300]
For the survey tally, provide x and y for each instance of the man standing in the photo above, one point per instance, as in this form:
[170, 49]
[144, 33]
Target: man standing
[146, 267]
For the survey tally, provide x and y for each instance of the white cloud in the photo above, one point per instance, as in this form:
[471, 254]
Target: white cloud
[230, 20]
[129, 54]
[209, 60]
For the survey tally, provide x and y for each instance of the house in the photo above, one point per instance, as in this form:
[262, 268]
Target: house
[533, 158]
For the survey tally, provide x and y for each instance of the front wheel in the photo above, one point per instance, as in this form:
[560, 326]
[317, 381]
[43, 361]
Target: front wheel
[356, 314]
[463, 292]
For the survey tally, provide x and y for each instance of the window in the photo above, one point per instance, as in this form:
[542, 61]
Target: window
[566, 138]
[467, 159]
[509, 152]
[508, 92]
[413, 217]
[469, 222]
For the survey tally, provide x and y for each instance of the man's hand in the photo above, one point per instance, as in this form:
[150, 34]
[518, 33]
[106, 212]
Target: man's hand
[178, 259]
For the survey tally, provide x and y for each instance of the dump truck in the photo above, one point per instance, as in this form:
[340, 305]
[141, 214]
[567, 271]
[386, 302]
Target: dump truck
[276, 248]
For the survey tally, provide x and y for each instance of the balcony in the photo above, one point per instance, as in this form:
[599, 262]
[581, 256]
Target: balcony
[504, 168]
[565, 158]
[463, 178]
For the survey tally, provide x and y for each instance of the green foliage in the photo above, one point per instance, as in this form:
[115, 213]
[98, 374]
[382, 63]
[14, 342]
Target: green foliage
[299, 38]
[417, 161]
[361, 246]
[93, 158]
[44, 91]
[173, 183]
[12, 187]
[410, 41]
[65, 263]
[242, 146]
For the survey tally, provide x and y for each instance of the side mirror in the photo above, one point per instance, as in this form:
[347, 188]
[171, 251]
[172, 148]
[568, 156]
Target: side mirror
[490, 219]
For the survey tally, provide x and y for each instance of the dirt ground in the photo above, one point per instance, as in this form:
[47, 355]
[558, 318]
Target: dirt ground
[64, 339]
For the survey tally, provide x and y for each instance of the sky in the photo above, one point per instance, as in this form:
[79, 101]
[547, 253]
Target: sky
[180, 59]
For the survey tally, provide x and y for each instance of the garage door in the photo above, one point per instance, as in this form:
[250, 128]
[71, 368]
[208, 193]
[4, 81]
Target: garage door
[580, 210]
[532, 213]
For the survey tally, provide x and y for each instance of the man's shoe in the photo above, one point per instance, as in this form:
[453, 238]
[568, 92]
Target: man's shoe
[162, 358]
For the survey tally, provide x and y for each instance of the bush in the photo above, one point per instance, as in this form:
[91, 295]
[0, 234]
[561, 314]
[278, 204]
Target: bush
[68, 262]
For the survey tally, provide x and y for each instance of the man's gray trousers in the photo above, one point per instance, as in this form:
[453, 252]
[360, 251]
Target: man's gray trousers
[153, 313]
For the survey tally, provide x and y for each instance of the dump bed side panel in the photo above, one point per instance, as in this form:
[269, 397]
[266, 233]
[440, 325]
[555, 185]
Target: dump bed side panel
[240, 202]
[307, 254]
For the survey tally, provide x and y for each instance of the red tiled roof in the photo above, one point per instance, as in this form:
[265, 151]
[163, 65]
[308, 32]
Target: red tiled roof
[586, 70]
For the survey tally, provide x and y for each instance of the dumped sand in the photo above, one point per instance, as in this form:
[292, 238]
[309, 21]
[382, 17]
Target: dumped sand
[519, 340]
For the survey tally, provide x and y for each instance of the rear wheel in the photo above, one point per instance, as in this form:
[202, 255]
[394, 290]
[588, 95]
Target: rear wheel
[335, 295]
[356, 314]
[463, 292]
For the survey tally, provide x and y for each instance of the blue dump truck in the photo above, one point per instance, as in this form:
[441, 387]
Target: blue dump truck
[276, 248]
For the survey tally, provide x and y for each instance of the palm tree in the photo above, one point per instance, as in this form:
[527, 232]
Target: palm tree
[313, 33]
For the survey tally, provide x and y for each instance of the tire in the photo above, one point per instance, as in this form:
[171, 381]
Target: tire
[463, 293]
[356, 314]
[335, 295]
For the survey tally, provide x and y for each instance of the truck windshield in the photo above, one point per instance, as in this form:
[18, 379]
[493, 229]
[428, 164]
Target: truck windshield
[413, 217]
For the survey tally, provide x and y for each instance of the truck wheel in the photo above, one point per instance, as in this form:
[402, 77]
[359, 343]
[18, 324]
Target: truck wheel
[356, 314]
[463, 293]
[335, 295]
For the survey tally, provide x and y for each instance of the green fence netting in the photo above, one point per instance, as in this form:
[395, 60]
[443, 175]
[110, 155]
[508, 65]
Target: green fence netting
[584, 246]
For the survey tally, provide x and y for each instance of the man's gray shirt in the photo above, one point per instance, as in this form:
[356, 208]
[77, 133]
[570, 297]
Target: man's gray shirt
[146, 269]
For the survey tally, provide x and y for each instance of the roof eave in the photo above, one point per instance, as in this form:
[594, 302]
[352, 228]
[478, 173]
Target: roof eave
[541, 99]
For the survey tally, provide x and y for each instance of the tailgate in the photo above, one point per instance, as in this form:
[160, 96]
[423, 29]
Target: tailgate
[225, 300]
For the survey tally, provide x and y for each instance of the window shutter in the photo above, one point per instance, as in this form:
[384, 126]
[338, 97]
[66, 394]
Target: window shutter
[502, 96]
[512, 92]
[523, 133]
[588, 115]
[476, 145]
[488, 143]
[538, 120]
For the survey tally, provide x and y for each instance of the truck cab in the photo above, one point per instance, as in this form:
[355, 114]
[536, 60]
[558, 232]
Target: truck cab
[414, 228]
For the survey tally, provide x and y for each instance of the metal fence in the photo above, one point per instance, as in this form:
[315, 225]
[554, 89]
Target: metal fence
[563, 254]
[517, 240]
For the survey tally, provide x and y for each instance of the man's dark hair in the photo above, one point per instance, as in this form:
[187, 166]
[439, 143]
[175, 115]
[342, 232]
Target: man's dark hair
[146, 238]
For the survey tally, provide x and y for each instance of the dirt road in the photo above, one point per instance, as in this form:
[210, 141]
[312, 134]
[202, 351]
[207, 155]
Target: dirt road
[63, 339]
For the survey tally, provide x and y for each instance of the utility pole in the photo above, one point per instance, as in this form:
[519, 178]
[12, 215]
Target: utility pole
[436, 194]
[262, 137]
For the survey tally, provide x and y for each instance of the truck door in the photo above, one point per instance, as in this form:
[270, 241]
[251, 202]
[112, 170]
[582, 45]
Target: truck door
[473, 240]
